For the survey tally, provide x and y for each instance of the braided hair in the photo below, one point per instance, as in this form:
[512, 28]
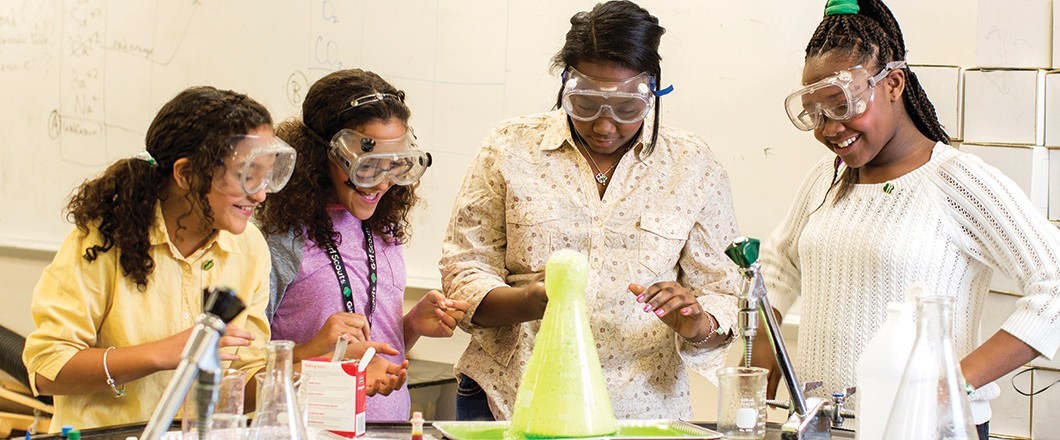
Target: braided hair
[120, 203]
[619, 32]
[869, 32]
[302, 206]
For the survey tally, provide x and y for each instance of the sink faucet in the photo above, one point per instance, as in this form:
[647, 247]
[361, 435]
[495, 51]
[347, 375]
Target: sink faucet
[810, 418]
[199, 359]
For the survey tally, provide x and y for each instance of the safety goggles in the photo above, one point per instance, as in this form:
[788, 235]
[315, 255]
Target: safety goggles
[256, 163]
[845, 95]
[369, 161]
[585, 98]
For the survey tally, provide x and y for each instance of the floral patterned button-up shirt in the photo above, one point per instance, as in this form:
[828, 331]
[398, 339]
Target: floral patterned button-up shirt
[668, 217]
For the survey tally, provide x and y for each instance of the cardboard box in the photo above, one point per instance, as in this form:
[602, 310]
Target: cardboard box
[943, 85]
[1028, 166]
[1056, 39]
[1005, 106]
[1014, 33]
[1054, 184]
[1052, 108]
[335, 396]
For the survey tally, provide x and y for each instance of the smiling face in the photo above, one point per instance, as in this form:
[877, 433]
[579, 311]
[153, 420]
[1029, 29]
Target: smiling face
[861, 140]
[232, 208]
[604, 135]
[362, 202]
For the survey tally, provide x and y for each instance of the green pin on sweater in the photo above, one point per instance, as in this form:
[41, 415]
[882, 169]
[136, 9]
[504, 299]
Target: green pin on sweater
[841, 7]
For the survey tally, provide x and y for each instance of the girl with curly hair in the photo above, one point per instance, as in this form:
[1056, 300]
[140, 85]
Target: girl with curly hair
[116, 306]
[336, 235]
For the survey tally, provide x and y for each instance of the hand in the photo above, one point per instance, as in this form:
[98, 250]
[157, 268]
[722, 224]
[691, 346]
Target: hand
[383, 376]
[535, 296]
[435, 316]
[354, 325]
[676, 307]
[172, 347]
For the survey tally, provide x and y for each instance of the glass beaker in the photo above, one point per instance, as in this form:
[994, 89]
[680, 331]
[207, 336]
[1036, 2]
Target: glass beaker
[278, 416]
[931, 402]
[742, 402]
[299, 379]
[230, 396]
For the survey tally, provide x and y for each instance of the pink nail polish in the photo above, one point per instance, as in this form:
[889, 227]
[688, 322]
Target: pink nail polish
[684, 311]
[647, 307]
[640, 298]
[659, 312]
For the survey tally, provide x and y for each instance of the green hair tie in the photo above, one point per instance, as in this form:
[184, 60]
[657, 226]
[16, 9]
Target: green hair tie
[841, 7]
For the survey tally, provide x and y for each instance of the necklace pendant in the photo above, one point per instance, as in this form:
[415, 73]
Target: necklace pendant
[601, 178]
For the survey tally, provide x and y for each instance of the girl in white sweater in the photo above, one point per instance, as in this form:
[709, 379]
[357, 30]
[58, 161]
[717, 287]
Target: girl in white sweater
[897, 205]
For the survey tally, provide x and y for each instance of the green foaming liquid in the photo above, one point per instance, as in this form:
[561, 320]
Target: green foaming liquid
[562, 393]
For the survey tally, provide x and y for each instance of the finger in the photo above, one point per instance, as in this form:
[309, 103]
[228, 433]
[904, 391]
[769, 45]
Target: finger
[436, 298]
[457, 315]
[232, 341]
[444, 318]
[636, 289]
[382, 348]
[685, 305]
[458, 305]
[235, 331]
[228, 357]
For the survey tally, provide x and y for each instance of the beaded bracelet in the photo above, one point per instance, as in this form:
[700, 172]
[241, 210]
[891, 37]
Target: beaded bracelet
[118, 392]
[715, 329]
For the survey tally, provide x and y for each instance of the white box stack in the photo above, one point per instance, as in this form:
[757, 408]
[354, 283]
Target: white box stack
[1014, 33]
[943, 85]
[1028, 166]
[1004, 106]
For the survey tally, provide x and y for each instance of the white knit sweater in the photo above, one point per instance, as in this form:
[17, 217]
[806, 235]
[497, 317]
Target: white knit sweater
[949, 224]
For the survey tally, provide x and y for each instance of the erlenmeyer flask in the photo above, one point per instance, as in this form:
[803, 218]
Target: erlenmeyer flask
[562, 393]
[278, 416]
[931, 402]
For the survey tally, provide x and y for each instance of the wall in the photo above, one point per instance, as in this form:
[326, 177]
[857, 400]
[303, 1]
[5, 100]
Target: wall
[82, 79]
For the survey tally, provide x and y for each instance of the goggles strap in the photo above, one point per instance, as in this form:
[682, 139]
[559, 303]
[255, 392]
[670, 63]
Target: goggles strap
[663, 92]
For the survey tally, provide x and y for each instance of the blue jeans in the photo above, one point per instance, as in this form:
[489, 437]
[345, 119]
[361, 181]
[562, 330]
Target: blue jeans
[471, 402]
[983, 430]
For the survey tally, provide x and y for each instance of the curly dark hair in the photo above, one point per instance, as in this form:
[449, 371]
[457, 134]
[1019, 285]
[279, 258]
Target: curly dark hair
[302, 205]
[873, 37]
[616, 32]
[120, 203]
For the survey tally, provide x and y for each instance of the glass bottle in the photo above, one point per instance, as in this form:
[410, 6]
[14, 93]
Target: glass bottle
[932, 402]
[880, 369]
[562, 393]
[278, 415]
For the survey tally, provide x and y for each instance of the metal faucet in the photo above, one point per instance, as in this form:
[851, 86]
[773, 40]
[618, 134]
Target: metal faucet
[810, 418]
[199, 359]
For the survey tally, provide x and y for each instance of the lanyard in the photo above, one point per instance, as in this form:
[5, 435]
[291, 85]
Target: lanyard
[339, 267]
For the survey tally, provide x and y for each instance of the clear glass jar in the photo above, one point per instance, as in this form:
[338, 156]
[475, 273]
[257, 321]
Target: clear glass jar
[278, 415]
[932, 402]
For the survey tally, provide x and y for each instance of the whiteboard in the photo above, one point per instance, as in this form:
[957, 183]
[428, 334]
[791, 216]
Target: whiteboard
[82, 79]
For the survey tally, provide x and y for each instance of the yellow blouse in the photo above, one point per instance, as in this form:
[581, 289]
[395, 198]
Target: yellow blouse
[81, 304]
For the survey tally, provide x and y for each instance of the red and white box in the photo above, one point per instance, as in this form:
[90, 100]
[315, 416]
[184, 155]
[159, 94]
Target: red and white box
[335, 396]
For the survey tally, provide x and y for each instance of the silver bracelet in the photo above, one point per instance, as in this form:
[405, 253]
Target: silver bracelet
[118, 392]
[715, 329]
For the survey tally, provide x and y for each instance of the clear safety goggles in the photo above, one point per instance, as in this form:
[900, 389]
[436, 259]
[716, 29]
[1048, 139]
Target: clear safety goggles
[369, 161]
[585, 98]
[256, 163]
[844, 95]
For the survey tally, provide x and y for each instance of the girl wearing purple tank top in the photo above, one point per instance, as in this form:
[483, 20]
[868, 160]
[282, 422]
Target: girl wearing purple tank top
[336, 235]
